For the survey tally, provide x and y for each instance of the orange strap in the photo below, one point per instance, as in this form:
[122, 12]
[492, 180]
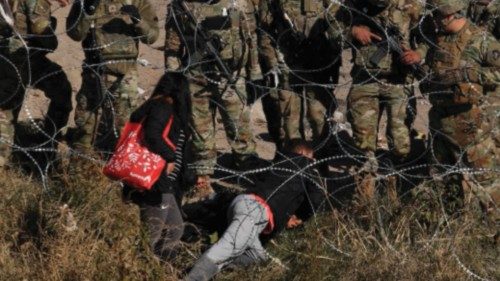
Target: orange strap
[166, 131]
[270, 224]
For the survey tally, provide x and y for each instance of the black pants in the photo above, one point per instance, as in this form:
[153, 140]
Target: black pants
[164, 225]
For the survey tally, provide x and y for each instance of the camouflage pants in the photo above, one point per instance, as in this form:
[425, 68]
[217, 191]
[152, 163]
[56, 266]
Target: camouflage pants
[282, 109]
[17, 76]
[104, 105]
[462, 140]
[364, 103]
[319, 101]
[205, 99]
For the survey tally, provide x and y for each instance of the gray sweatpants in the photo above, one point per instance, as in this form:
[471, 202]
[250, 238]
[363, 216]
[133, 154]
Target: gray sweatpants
[164, 225]
[240, 242]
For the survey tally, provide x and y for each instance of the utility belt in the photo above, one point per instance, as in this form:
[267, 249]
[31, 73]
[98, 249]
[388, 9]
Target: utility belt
[369, 75]
[117, 68]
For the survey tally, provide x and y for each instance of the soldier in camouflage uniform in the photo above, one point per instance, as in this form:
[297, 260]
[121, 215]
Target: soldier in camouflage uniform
[485, 14]
[382, 83]
[110, 31]
[464, 93]
[26, 36]
[231, 26]
[301, 47]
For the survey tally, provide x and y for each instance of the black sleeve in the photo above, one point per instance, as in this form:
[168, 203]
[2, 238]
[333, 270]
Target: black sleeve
[314, 199]
[153, 129]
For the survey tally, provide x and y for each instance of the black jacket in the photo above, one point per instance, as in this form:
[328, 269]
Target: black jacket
[288, 187]
[156, 114]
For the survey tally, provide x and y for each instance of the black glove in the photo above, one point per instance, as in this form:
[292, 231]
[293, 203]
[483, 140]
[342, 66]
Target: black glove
[133, 12]
[90, 6]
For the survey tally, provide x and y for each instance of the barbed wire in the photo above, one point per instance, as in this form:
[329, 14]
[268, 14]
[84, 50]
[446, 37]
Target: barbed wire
[346, 150]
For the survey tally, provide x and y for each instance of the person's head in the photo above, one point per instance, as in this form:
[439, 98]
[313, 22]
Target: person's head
[300, 146]
[450, 14]
[173, 87]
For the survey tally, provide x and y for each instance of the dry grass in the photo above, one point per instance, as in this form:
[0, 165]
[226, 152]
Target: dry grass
[412, 243]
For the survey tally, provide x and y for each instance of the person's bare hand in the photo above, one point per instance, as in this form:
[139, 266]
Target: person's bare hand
[63, 3]
[293, 222]
[202, 182]
[363, 34]
[410, 57]
[170, 168]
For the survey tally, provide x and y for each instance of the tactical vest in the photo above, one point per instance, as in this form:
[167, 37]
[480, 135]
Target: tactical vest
[115, 33]
[232, 22]
[448, 56]
[304, 14]
[400, 13]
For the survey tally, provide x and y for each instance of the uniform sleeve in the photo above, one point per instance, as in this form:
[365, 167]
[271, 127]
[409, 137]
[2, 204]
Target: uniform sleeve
[338, 19]
[267, 48]
[485, 52]
[148, 26]
[77, 23]
[173, 44]
[422, 34]
[153, 127]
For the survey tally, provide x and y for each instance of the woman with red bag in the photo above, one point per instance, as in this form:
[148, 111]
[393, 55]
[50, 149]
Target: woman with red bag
[159, 206]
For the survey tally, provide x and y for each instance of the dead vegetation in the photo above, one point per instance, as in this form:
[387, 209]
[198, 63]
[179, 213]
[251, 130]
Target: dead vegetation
[98, 237]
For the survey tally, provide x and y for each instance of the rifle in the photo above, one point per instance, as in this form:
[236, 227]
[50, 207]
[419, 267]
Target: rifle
[209, 45]
[392, 43]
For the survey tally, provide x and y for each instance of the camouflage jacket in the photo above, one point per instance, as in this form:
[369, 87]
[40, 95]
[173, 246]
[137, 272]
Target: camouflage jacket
[465, 65]
[486, 14]
[401, 16]
[299, 30]
[30, 18]
[116, 36]
[229, 24]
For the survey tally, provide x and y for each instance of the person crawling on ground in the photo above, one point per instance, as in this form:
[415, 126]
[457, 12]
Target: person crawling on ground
[159, 207]
[291, 184]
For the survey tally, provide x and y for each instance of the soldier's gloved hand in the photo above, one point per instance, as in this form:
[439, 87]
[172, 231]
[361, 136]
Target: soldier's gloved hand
[273, 76]
[90, 6]
[133, 12]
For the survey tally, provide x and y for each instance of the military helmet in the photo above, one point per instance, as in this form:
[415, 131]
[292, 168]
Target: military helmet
[449, 7]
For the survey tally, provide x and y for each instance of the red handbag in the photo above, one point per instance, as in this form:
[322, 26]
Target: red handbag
[132, 162]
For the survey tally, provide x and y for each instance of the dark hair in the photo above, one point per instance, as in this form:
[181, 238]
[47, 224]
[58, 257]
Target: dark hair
[296, 144]
[170, 85]
[175, 85]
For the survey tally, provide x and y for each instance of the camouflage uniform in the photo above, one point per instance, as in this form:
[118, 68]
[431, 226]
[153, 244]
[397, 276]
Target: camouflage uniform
[485, 14]
[24, 65]
[464, 116]
[109, 79]
[300, 44]
[232, 26]
[380, 86]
